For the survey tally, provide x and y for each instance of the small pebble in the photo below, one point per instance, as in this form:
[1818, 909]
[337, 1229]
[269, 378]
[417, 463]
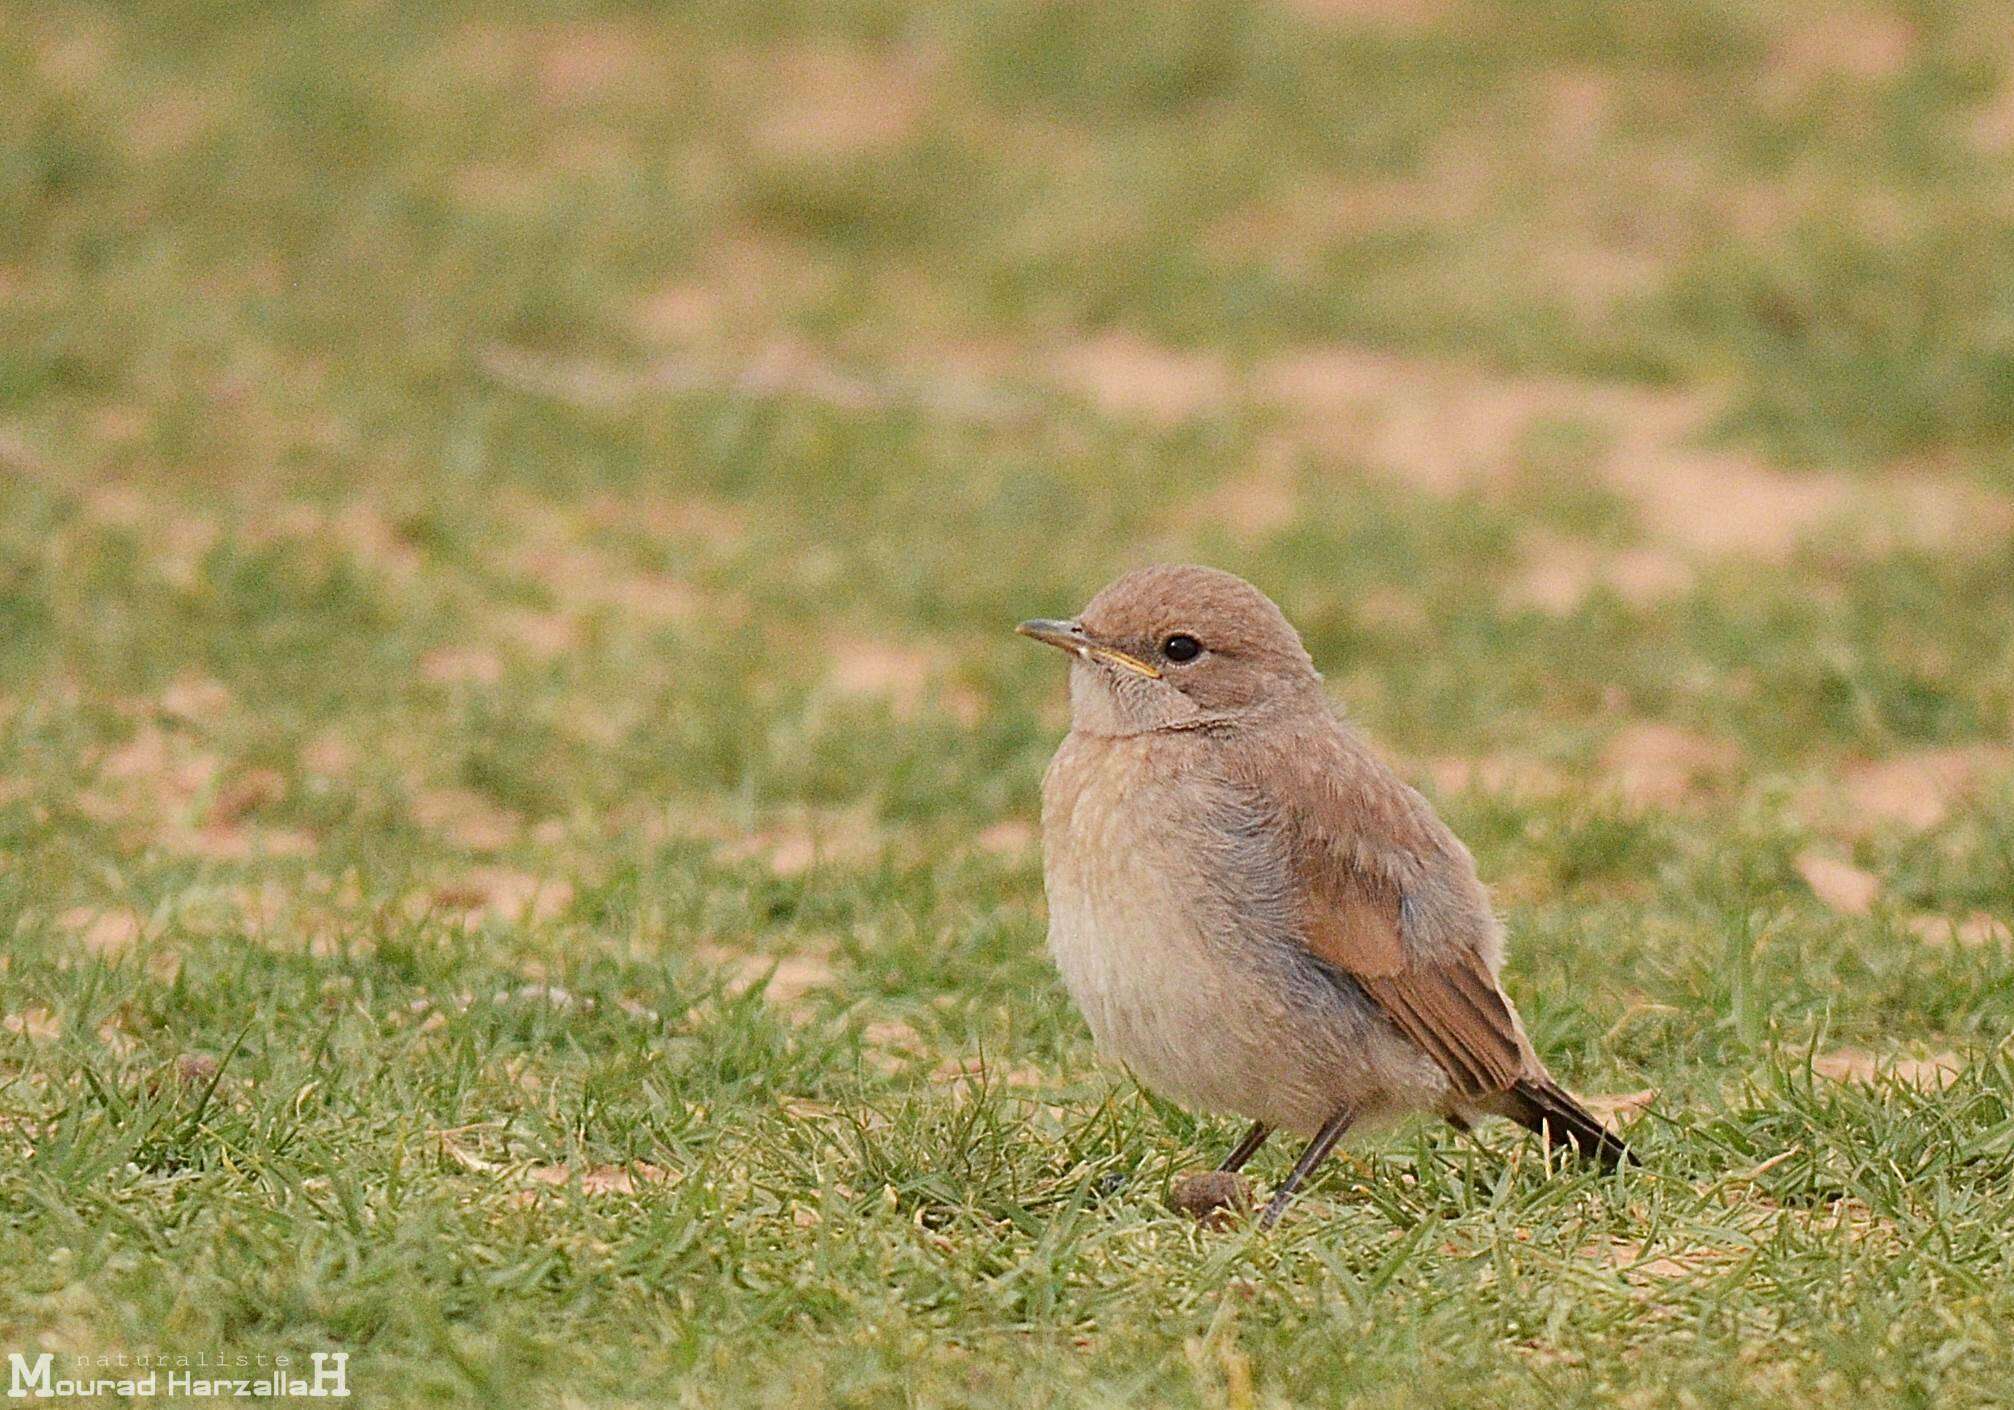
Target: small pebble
[195, 1069]
[1213, 1196]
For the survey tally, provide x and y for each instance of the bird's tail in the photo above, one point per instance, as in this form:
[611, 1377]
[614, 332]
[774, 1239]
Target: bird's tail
[1542, 1105]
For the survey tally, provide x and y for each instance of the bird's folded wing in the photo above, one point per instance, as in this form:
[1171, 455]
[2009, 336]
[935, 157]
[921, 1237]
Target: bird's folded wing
[1401, 917]
[1448, 1004]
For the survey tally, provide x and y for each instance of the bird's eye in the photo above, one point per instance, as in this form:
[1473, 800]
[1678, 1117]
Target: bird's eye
[1181, 647]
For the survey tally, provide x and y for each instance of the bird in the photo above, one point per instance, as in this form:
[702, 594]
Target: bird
[1253, 912]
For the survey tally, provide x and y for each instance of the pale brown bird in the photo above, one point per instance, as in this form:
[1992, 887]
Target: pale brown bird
[1251, 909]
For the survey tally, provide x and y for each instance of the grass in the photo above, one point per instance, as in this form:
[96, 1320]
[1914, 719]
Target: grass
[516, 792]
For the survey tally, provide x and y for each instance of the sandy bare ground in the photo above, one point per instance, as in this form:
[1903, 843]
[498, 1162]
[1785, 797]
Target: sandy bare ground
[1436, 426]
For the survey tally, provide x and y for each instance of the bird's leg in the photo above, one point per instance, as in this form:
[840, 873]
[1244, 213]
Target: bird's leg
[1317, 1151]
[1247, 1148]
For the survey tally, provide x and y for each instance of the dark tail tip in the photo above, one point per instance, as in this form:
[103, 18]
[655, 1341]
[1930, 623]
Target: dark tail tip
[1547, 1108]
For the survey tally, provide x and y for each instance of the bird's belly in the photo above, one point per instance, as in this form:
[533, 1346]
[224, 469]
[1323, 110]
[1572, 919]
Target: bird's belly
[1160, 1000]
[1231, 1023]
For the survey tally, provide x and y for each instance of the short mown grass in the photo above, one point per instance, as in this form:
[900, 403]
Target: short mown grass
[517, 791]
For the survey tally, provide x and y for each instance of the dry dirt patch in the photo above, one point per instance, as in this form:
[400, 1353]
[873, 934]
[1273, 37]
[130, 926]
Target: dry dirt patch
[904, 676]
[1394, 13]
[846, 839]
[466, 818]
[1638, 1265]
[743, 287]
[1559, 574]
[1842, 42]
[101, 931]
[542, 635]
[1255, 505]
[1846, 888]
[237, 844]
[462, 665]
[505, 894]
[245, 794]
[1444, 427]
[165, 767]
[360, 528]
[1931, 1072]
[693, 517]
[1992, 126]
[1653, 764]
[1965, 932]
[1493, 773]
[196, 699]
[1123, 374]
[629, 1179]
[1438, 426]
[897, 673]
[1010, 837]
[329, 755]
[894, 1035]
[831, 102]
[37, 1023]
[785, 979]
[584, 580]
[1918, 790]
[1616, 1108]
[1434, 425]
[680, 312]
[891, 1045]
[963, 1074]
[176, 542]
[162, 788]
[582, 62]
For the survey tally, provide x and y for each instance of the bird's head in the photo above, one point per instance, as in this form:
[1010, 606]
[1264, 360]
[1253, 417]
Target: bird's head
[1173, 644]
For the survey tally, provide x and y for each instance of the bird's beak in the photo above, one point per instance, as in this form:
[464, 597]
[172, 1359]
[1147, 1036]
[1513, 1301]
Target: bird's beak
[1071, 637]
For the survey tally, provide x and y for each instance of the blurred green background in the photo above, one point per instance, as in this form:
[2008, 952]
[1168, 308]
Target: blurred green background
[517, 794]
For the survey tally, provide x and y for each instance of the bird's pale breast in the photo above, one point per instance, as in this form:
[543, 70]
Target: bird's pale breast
[1172, 933]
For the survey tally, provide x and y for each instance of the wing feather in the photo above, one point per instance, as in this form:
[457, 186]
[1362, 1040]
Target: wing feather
[1389, 898]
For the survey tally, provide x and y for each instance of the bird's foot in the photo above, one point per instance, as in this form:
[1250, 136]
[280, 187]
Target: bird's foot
[1215, 1198]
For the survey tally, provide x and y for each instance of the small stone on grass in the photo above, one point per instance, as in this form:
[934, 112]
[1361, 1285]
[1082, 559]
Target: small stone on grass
[1213, 1196]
